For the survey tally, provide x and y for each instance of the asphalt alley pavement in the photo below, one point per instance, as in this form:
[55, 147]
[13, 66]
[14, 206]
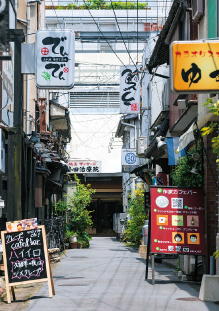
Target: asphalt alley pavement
[110, 276]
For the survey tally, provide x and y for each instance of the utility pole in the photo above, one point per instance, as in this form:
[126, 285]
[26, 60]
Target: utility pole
[15, 137]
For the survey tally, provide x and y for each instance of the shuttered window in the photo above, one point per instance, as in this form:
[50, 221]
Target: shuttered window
[212, 18]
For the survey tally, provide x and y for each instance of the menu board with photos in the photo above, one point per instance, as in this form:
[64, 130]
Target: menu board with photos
[177, 220]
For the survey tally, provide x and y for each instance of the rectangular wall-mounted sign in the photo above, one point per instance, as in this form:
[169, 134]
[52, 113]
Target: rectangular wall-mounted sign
[54, 59]
[80, 167]
[129, 160]
[194, 66]
[129, 89]
[177, 220]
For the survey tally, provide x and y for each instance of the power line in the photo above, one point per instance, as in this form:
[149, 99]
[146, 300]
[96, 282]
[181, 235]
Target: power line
[122, 35]
[102, 33]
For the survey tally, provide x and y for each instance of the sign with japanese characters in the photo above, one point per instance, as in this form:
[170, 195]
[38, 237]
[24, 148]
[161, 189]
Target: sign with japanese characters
[129, 160]
[26, 258]
[79, 167]
[54, 59]
[177, 220]
[194, 66]
[129, 89]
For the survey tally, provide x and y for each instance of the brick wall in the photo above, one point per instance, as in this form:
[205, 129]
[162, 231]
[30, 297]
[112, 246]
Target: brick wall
[211, 199]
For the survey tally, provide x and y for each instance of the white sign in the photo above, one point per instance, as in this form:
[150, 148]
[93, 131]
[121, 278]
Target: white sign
[54, 59]
[88, 167]
[129, 160]
[8, 88]
[129, 89]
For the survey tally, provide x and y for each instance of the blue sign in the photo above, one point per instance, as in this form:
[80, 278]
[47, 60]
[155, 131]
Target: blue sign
[130, 158]
[128, 168]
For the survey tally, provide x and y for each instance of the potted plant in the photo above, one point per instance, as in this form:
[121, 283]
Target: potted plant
[71, 238]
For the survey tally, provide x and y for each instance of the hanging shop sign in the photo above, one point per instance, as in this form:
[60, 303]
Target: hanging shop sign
[80, 167]
[177, 220]
[5, 8]
[129, 160]
[54, 59]
[129, 89]
[194, 66]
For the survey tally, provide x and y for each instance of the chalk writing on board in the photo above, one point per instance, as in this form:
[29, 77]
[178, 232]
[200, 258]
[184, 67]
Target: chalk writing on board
[25, 255]
[20, 268]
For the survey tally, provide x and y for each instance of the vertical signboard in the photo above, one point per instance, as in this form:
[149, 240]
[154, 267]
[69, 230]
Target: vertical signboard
[177, 220]
[4, 25]
[129, 89]
[129, 160]
[8, 88]
[54, 59]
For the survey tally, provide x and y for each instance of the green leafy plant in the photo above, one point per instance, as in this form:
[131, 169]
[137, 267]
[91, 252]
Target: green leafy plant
[79, 218]
[60, 208]
[181, 174]
[137, 216]
[69, 234]
[216, 254]
[101, 4]
[213, 108]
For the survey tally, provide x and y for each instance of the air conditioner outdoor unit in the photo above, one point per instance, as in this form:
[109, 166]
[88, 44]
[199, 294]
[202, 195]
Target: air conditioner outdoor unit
[141, 145]
[197, 10]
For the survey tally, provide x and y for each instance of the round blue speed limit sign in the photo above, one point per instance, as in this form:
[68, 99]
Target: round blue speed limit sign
[130, 158]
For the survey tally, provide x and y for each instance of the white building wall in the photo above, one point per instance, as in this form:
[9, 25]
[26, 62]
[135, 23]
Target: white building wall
[90, 140]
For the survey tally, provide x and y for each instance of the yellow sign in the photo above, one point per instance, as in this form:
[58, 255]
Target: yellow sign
[194, 66]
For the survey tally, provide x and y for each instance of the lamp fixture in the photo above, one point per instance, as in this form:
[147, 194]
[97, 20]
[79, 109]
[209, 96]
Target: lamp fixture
[194, 170]
[33, 140]
[38, 144]
[160, 142]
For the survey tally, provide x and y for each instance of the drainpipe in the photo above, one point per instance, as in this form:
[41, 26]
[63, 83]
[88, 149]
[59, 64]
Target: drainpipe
[132, 125]
[28, 76]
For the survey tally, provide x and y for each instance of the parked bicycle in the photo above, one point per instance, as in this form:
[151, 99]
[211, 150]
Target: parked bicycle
[55, 233]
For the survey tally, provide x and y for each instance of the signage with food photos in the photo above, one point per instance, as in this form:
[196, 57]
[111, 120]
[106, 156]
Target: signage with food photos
[177, 220]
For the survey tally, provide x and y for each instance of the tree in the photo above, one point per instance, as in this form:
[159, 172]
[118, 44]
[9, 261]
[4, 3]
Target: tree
[137, 216]
[181, 174]
[79, 218]
[213, 108]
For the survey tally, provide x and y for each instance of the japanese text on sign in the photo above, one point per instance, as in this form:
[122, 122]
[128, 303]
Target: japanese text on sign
[85, 166]
[129, 89]
[177, 220]
[55, 58]
[25, 255]
[194, 66]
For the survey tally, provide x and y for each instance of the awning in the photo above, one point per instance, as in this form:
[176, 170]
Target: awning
[143, 173]
[188, 136]
[185, 120]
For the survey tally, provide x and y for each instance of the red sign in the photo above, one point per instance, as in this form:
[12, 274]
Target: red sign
[45, 51]
[134, 107]
[66, 69]
[177, 220]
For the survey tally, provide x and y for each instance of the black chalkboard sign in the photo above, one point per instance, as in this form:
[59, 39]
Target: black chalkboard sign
[26, 258]
[25, 255]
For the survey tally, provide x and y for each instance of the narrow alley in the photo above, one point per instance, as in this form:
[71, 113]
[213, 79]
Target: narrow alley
[110, 276]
